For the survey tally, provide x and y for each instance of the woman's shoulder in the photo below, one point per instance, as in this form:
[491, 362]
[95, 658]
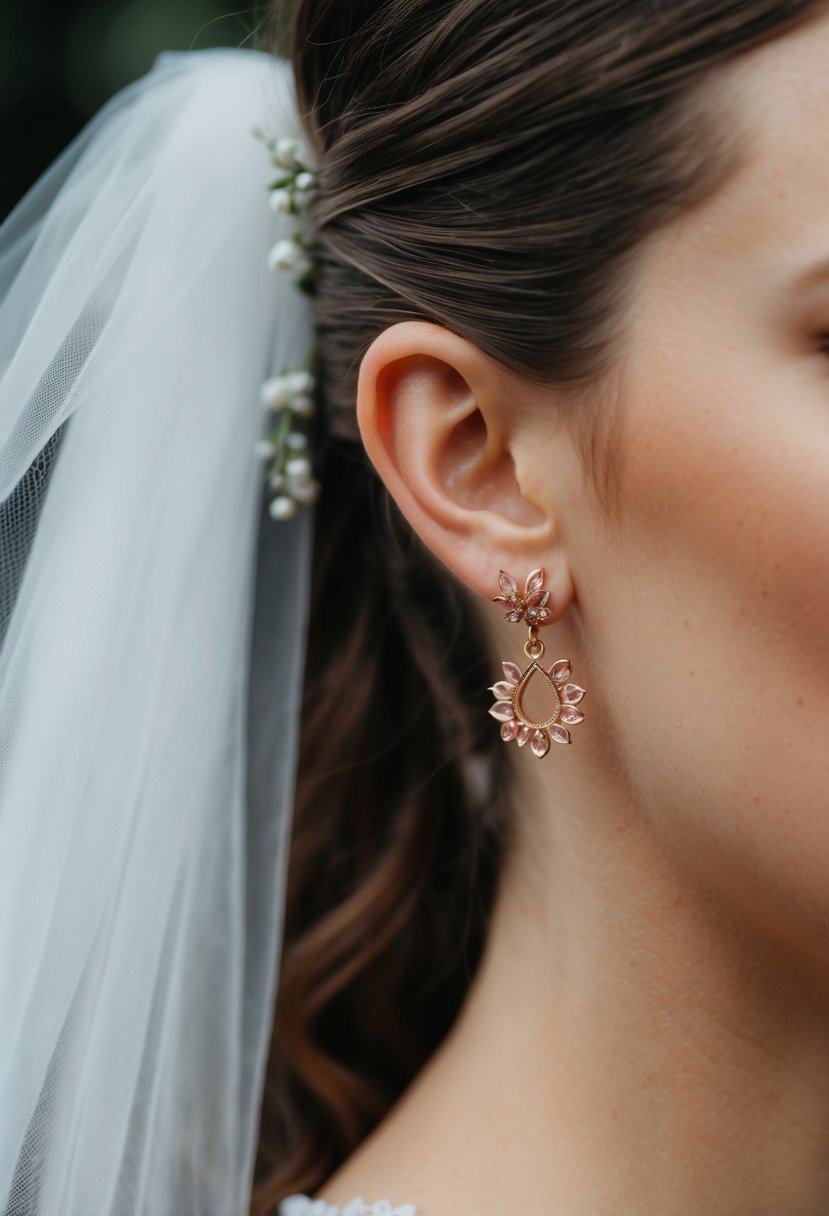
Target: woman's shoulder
[303, 1205]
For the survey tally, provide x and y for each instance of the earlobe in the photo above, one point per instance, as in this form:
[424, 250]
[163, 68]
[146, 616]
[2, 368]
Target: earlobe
[438, 421]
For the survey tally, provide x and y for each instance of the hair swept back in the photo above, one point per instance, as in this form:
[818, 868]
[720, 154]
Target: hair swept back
[493, 168]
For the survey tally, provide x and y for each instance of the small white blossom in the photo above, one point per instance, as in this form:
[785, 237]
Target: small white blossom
[288, 151]
[300, 381]
[285, 255]
[275, 392]
[298, 466]
[281, 200]
[282, 507]
[305, 491]
[304, 181]
[277, 481]
[296, 441]
[264, 448]
[302, 404]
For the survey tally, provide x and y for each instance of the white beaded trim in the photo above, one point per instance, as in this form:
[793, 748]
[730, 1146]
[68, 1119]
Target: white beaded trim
[303, 1205]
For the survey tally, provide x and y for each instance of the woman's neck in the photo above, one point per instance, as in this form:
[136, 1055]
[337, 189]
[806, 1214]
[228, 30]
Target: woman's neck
[627, 1045]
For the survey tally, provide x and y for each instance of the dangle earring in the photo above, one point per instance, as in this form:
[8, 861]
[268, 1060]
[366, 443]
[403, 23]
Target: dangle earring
[531, 607]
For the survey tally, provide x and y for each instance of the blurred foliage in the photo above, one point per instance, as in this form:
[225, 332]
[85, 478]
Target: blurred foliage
[59, 62]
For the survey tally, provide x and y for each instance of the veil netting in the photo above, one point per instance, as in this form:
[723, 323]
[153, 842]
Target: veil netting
[152, 634]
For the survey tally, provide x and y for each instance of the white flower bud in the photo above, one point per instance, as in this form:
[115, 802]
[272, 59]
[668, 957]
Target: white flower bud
[281, 200]
[298, 466]
[285, 255]
[277, 481]
[264, 448]
[300, 381]
[275, 392]
[282, 507]
[304, 181]
[287, 151]
[306, 491]
[296, 441]
[303, 405]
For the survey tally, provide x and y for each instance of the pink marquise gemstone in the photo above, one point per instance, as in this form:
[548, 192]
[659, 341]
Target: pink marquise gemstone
[571, 693]
[569, 713]
[507, 584]
[509, 730]
[534, 583]
[503, 690]
[560, 670]
[540, 742]
[559, 734]
[523, 735]
[512, 672]
[502, 710]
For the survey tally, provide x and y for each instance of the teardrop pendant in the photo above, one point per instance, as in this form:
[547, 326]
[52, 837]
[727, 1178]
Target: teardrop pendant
[517, 725]
[534, 668]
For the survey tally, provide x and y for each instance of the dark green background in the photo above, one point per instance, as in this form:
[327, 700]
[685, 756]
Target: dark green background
[59, 62]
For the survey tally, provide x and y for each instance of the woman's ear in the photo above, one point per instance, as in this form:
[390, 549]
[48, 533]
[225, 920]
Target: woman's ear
[456, 441]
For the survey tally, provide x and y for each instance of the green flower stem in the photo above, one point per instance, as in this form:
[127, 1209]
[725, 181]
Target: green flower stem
[279, 437]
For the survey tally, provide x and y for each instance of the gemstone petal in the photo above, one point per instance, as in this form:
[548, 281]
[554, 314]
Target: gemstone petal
[559, 734]
[540, 743]
[533, 585]
[514, 616]
[523, 735]
[560, 670]
[502, 690]
[508, 585]
[512, 672]
[572, 693]
[502, 710]
[570, 714]
[509, 730]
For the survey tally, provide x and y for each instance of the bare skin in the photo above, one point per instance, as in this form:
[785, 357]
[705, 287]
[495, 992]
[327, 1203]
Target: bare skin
[649, 1032]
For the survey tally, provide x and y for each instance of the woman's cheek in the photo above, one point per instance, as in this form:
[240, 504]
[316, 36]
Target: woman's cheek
[715, 641]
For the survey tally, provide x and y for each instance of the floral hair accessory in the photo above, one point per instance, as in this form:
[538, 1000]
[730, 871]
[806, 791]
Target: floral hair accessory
[290, 193]
[290, 393]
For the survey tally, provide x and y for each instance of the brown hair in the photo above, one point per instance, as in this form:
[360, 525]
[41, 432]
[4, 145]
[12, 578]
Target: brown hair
[493, 168]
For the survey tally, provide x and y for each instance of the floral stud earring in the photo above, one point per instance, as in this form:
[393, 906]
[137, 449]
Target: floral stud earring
[531, 607]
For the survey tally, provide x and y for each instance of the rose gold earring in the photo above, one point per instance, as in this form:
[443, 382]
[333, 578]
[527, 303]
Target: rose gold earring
[516, 724]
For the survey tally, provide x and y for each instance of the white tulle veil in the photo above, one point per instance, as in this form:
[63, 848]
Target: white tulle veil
[152, 634]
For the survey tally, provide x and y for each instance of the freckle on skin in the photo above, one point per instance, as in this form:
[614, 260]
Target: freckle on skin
[690, 673]
[800, 700]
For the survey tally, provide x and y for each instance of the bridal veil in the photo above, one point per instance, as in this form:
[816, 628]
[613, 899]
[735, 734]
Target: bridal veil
[152, 632]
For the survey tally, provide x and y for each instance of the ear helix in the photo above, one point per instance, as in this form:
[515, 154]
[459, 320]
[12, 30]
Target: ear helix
[516, 724]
